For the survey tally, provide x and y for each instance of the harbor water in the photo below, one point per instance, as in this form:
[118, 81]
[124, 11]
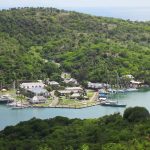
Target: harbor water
[10, 116]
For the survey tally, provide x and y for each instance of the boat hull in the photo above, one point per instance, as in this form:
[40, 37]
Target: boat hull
[18, 107]
[5, 101]
[113, 105]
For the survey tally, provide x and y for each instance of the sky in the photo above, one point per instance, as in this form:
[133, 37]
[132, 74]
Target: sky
[126, 9]
[76, 3]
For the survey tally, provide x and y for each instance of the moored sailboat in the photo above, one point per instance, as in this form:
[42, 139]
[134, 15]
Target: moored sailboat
[112, 104]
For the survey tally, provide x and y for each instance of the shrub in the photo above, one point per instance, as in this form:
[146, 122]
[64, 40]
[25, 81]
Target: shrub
[136, 114]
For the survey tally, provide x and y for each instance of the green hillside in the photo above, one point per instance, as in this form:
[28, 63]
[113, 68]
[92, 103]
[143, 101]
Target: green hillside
[91, 48]
[113, 132]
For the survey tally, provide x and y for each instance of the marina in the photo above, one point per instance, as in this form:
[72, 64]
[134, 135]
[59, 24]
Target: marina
[13, 116]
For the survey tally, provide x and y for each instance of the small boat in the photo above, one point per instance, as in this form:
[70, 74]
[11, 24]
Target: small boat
[112, 91]
[103, 95]
[112, 104]
[102, 98]
[131, 90]
[18, 107]
[4, 99]
[120, 91]
[11, 104]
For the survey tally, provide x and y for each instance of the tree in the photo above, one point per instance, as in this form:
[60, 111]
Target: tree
[136, 114]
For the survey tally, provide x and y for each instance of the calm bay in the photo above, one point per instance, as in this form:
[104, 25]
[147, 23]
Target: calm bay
[13, 116]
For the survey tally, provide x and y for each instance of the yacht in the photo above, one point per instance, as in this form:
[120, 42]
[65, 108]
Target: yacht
[4, 99]
[131, 90]
[112, 104]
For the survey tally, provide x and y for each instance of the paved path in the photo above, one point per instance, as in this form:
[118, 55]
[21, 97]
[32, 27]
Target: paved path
[55, 100]
[94, 97]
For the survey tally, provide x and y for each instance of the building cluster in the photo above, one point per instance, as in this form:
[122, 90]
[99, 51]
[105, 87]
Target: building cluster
[97, 85]
[132, 82]
[38, 93]
[73, 93]
[35, 91]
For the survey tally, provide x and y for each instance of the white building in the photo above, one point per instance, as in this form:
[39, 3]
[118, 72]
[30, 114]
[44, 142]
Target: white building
[129, 76]
[71, 80]
[64, 92]
[75, 95]
[32, 85]
[70, 90]
[53, 83]
[97, 85]
[37, 100]
[135, 84]
[74, 89]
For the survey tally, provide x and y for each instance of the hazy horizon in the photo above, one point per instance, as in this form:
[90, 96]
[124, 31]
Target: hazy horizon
[131, 13]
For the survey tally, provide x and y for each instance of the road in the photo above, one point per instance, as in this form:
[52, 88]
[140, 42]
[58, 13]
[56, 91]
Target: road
[55, 100]
[94, 97]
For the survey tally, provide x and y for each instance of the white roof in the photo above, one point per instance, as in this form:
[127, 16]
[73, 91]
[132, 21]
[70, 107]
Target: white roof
[35, 99]
[71, 80]
[135, 82]
[97, 85]
[53, 83]
[32, 84]
[74, 95]
[38, 98]
[64, 92]
[129, 76]
[38, 90]
[73, 88]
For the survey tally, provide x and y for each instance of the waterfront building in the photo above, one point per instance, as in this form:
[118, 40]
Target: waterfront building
[97, 85]
[37, 99]
[31, 85]
[135, 84]
[70, 91]
[32, 89]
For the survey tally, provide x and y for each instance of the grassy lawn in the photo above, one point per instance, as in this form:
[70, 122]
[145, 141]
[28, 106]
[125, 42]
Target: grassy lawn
[41, 105]
[11, 92]
[65, 101]
[49, 101]
[90, 93]
[74, 103]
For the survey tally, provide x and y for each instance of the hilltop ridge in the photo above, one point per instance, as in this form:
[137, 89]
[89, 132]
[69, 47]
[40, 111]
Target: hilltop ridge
[84, 45]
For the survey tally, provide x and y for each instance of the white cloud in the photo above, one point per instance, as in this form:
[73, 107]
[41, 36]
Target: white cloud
[75, 3]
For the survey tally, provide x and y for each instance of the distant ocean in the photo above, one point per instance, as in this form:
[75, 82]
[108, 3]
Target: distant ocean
[131, 13]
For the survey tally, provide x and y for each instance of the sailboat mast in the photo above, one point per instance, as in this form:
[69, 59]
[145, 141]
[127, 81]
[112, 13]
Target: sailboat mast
[117, 85]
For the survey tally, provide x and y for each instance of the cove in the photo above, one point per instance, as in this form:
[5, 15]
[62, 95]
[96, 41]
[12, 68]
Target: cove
[10, 116]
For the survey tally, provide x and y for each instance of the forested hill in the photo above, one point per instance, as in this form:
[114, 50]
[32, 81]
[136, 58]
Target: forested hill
[114, 132]
[89, 47]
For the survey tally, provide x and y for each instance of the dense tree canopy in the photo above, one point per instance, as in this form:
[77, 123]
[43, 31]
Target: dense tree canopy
[136, 114]
[111, 132]
[91, 48]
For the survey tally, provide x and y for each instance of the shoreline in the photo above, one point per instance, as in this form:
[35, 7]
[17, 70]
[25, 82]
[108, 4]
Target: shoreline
[59, 106]
[65, 106]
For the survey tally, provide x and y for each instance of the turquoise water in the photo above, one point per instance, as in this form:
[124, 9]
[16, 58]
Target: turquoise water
[12, 117]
